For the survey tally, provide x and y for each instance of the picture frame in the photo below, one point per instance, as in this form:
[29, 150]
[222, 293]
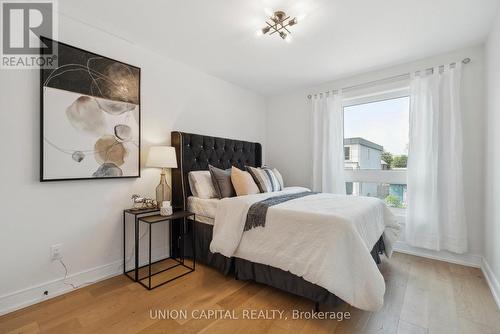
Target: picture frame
[90, 116]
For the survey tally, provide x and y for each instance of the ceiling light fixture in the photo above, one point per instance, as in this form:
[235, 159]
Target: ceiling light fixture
[279, 22]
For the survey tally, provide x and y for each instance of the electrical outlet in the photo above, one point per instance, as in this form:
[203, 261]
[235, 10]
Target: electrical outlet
[56, 252]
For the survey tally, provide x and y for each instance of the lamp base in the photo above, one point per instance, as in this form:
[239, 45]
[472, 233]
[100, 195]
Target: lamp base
[162, 190]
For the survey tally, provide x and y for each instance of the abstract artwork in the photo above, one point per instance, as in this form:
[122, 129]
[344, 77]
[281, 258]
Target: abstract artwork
[90, 117]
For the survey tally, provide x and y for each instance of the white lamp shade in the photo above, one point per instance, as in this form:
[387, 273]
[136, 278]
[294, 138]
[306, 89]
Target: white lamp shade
[162, 157]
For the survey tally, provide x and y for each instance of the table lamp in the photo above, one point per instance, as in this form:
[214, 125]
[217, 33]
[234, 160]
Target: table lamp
[162, 157]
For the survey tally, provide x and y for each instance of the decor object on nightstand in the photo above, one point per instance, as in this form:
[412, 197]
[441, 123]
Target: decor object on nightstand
[166, 208]
[162, 157]
[137, 201]
[141, 203]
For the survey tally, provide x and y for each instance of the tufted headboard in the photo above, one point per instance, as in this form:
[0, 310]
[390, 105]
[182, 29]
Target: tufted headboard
[196, 152]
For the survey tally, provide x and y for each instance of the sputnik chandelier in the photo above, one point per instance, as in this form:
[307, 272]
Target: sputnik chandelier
[278, 23]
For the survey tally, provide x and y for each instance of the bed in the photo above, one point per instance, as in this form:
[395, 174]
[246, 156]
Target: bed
[234, 253]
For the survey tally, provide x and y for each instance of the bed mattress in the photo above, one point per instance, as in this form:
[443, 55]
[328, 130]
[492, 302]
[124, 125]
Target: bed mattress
[203, 208]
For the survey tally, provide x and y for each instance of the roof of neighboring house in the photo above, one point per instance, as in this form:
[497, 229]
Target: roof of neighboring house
[364, 142]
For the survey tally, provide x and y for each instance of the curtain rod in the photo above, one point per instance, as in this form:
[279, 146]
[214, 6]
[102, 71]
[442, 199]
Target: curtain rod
[464, 61]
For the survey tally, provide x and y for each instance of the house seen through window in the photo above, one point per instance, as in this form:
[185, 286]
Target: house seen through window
[376, 136]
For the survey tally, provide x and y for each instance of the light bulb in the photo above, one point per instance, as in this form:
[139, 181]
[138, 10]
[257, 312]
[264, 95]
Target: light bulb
[262, 31]
[288, 38]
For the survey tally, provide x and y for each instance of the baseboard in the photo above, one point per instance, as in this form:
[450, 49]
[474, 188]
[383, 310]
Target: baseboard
[470, 260]
[35, 294]
[492, 280]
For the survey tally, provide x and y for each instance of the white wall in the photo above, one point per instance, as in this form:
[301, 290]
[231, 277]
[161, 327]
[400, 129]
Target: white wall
[492, 162]
[86, 216]
[289, 130]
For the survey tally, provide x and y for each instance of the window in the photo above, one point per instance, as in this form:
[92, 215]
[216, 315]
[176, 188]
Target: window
[347, 153]
[379, 131]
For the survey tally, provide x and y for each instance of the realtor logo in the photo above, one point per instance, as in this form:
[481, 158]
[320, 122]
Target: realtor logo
[23, 23]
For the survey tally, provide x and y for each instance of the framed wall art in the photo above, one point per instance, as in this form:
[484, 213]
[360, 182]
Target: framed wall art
[90, 117]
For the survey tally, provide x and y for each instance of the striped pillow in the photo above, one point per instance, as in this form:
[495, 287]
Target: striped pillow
[279, 177]
[266, 179]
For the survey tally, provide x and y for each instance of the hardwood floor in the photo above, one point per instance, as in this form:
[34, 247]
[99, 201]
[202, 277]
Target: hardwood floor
[422, 296]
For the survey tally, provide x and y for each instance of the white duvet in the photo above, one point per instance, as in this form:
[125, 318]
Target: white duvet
[324, 238]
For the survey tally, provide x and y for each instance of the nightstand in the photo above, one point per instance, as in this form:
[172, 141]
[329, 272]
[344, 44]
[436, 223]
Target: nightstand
[179, 217]
[136, 214]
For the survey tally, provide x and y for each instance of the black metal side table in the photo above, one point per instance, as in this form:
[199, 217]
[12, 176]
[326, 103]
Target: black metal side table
[176, 217]
[136, 214]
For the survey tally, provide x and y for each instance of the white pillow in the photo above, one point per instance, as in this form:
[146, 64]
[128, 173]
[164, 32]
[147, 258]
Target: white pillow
[200, 183]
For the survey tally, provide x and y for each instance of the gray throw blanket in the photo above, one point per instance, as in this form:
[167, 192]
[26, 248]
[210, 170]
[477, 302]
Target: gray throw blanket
[257, 213]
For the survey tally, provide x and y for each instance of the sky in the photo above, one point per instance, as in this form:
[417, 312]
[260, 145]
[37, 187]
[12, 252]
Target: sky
[385, 123]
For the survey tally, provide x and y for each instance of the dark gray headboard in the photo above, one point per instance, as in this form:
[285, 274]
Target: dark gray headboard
[196, 152]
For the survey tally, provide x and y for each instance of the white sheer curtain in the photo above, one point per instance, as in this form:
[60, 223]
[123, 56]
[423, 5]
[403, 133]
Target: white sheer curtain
[435, 196]
[328, 143]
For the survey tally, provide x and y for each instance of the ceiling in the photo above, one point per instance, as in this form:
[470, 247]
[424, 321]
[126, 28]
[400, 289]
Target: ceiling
[336, 38]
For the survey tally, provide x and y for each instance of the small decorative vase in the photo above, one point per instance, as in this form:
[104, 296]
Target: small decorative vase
[165, 209]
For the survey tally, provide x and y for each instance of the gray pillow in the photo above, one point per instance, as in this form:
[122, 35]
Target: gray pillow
[222, 182]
